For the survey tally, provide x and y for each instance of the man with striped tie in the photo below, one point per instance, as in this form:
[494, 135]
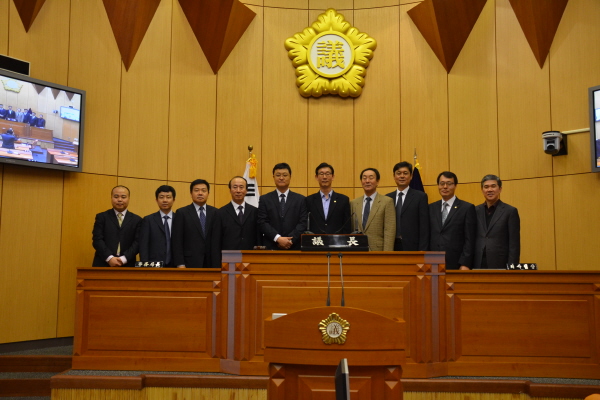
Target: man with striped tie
[196, 231]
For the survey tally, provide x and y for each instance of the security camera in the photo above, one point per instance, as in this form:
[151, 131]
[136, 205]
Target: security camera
[552, 142]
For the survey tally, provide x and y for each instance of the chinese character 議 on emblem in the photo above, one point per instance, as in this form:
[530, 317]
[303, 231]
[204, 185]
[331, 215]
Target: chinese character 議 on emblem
[317, 241]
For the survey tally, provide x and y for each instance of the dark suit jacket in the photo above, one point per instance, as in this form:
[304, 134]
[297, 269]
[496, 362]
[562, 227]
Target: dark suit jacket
[291, 224]
[414, 220]
[33, 121]
[153, 241]
[41, 123]
[190, 246]
[11, 114]
[8, 141]
[338, 217]
[457, 236]
[26, 118]
[236, 235]
[501, 239]
[107, 234]
[3, 113]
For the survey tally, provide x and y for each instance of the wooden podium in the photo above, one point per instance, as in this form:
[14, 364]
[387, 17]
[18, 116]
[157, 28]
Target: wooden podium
[302, 365]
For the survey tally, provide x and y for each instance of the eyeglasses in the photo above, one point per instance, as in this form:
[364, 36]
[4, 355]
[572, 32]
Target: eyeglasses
[448, 184]
[325, 173]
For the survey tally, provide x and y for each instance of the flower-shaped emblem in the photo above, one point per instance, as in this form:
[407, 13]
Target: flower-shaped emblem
[330, 56]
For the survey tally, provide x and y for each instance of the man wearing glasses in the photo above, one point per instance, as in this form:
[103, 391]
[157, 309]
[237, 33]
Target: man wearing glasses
[329, 211]
[282, 213]
[453, 224]
[412, 214]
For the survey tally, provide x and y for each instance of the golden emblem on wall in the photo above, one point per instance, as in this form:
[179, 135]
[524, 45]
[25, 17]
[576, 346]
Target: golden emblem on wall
[12, 85]
[330, 56]
[334, 329]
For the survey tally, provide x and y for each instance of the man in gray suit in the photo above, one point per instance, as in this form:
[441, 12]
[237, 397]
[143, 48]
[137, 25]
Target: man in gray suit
[498, 240]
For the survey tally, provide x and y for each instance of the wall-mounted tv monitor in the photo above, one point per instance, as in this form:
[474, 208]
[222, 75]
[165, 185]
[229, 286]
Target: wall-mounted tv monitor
[41, 123]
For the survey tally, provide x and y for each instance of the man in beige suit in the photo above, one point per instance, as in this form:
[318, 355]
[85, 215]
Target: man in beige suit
[375, 213]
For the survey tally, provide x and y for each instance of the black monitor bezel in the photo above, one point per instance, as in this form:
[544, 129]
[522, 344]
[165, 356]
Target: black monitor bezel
[593, 133]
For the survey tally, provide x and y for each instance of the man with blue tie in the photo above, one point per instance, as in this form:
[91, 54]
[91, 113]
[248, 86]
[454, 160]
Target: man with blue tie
[282, 213]
[196, 231]
[156, 228]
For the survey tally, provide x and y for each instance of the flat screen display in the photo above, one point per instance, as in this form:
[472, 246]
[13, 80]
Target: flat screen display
[41, 123]
[594, 99]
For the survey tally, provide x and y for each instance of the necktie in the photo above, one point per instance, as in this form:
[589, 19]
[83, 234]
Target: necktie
[203, 220]
[168, 237]
[241, 214]
[444, 212]
[366, 212]
[398, 213]
[282, 203]
[120, 218]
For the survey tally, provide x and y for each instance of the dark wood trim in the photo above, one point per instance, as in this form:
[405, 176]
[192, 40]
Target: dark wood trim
[35, 363]
[24, 387]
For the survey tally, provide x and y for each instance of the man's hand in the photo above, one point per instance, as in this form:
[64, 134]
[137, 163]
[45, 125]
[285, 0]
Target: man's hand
[284, 243]
[464, 268]
[115, 262]
[181, 266]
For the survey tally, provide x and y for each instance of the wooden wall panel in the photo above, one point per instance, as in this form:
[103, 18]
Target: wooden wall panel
[573, 66]
[142, 201]
[30, 231]
[523, 101]
[576, 221]
[4, 26]
[239, 103]
[93, 53]
[358, 4]
[84, 196]
[46, 45]
[423, 101]
[143, 138]
[191, 111]
[331, 131]
[377, 110]
[473, 131]
[535, 201]
[284, 136]
[338, 5]
[301, 4]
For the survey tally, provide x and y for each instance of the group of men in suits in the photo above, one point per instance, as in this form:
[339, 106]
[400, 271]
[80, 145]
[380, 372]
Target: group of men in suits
[486, 236]
[27, 117]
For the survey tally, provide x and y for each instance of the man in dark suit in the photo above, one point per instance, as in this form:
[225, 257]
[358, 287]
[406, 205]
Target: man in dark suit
[27, 116]
[8, 139]
[115, 233]
[33, 120]
[412, 212]
[498, 240]
[196, 231]
[329, 212]
[156, 228]
[282, 213]
[11, 115]
[3, 112]
[41, 122]
[239, 220]
[452, 225]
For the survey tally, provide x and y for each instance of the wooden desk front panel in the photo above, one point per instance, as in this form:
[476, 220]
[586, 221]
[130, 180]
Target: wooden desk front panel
[147, 319]
[534, 323]
[392, 284]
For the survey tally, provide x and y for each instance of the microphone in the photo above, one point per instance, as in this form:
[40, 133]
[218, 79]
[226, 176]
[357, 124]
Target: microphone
[356, 231]
[344, 224]
[340, 255]
[328, 303]
[307, 231]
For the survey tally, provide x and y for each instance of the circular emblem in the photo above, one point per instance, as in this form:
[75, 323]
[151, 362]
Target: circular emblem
[334, 329]
[330, 54]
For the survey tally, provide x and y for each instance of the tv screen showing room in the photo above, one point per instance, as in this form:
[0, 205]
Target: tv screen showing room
[41, 123]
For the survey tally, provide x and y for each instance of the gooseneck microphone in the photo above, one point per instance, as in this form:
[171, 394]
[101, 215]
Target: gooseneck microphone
[344, 224]
[356, 230]
[328, 303]
[340, 255]
[307, 231]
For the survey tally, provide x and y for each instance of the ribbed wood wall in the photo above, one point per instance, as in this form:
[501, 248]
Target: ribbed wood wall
[170, 119]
